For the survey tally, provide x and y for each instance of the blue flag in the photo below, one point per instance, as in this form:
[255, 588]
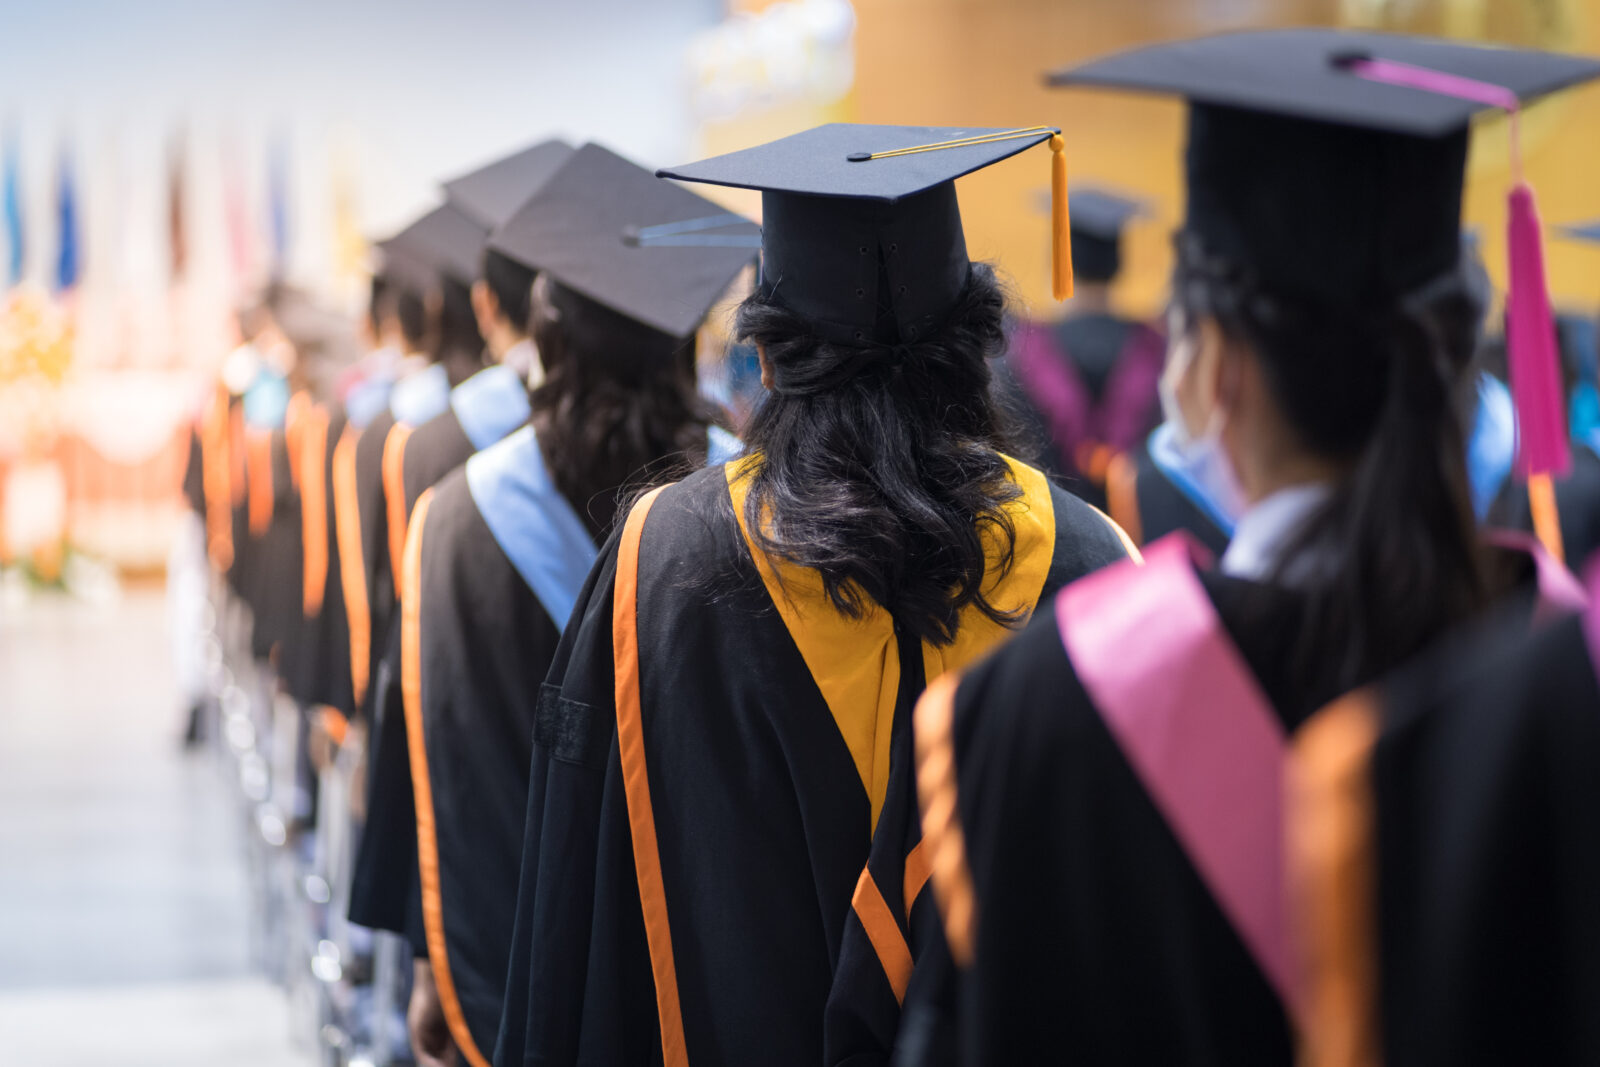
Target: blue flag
[278, 206]
[11, 204]
[67, 215]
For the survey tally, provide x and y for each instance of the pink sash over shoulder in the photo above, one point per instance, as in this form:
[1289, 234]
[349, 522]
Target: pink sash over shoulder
[1196, 728]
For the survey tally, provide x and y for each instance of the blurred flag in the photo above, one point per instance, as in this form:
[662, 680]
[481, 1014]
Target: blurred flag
[278, 205]
[241, 233]
[67, 221]
[349, 245]
[12, 194]
[177, 237]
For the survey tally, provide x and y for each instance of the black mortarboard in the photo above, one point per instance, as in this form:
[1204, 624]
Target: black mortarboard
[446, 241]
[1327, 183]
[608, 229]
[861, 230]
[1098, 216]
[491, 193]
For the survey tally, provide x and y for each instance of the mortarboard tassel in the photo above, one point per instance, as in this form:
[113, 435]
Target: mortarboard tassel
[1543, 451]
[1060, 222]
[1060, 218]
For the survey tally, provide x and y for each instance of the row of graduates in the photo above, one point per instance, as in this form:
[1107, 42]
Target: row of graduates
[684, 748]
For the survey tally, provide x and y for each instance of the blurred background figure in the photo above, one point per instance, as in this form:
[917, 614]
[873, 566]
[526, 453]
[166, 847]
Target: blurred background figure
[1090, 378]
[241, 243]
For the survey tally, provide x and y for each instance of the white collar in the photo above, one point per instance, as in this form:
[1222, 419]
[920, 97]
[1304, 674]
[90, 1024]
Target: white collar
[1261, 533]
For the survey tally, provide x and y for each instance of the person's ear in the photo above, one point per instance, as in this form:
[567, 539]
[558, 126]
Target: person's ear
[766, 367]
[1211, 359]
[485, 308]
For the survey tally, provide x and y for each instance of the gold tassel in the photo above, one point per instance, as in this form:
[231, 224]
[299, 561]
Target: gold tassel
[1060, 222]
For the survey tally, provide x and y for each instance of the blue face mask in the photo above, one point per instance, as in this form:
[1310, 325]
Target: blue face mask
[1197, 465]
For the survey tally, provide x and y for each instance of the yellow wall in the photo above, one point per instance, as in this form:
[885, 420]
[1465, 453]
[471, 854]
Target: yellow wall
[979, 62]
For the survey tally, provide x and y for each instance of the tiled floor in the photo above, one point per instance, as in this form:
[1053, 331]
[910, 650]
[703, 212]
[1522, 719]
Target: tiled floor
[123, 900]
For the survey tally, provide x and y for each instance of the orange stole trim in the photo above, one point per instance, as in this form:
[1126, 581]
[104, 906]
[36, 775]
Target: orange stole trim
[894, 955]
[941, 823]
[352, 569]
[422, 787]
[214, 465]
[236, 459]
[917, 871]
[1122, 496]
[258, 445]
[1332, 884]
[313, 450]
[394, 497]
[636, 785]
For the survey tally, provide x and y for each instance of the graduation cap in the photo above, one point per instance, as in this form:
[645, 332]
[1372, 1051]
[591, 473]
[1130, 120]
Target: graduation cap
[492, 193]
[445, 242]
[861, 230]
[1332, 162]
[1098, 217]
[606, 228]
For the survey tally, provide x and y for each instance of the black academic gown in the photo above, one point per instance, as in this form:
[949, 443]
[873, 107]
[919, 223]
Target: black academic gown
[484, 642]
[274, 576]
[316, 668]
[1488, 850]
[758, 808]
[375, 565]
[386, 888]
[1096, 939]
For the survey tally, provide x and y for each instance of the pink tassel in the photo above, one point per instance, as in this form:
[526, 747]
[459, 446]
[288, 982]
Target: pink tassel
[1534, 359]
[1542, 446]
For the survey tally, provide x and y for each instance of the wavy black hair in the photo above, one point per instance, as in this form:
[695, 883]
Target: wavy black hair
[881, 467]
[617, 411]
[1393, 557]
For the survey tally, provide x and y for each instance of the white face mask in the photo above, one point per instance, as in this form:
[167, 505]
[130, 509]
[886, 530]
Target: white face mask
[1196, 459]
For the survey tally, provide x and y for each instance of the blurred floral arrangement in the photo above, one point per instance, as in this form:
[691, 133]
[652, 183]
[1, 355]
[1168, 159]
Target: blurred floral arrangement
[36, 337]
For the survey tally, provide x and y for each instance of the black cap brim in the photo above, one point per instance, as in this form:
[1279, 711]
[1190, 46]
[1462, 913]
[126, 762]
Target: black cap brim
[491, 193]
[1300, 73]
[608, 229]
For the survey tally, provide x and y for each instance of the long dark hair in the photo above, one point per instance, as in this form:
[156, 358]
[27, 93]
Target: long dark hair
[617, 411]
[457, 343]
[1392, 558]
[881, 466]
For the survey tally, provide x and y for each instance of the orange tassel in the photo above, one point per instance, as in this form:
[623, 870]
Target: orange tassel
[1546, 518]
[1060, 222]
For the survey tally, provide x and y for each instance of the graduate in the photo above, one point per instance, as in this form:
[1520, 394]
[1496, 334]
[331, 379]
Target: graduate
[1476, 809]
[358, 464]
[499, 549]
[712, 745]
[417, 451]
[1119, 874]
[430, 253]
[1090, 378]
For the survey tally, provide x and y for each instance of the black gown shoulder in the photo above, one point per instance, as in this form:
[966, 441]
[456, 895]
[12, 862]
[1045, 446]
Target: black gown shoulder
[1488, 847]
[1128, 958]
